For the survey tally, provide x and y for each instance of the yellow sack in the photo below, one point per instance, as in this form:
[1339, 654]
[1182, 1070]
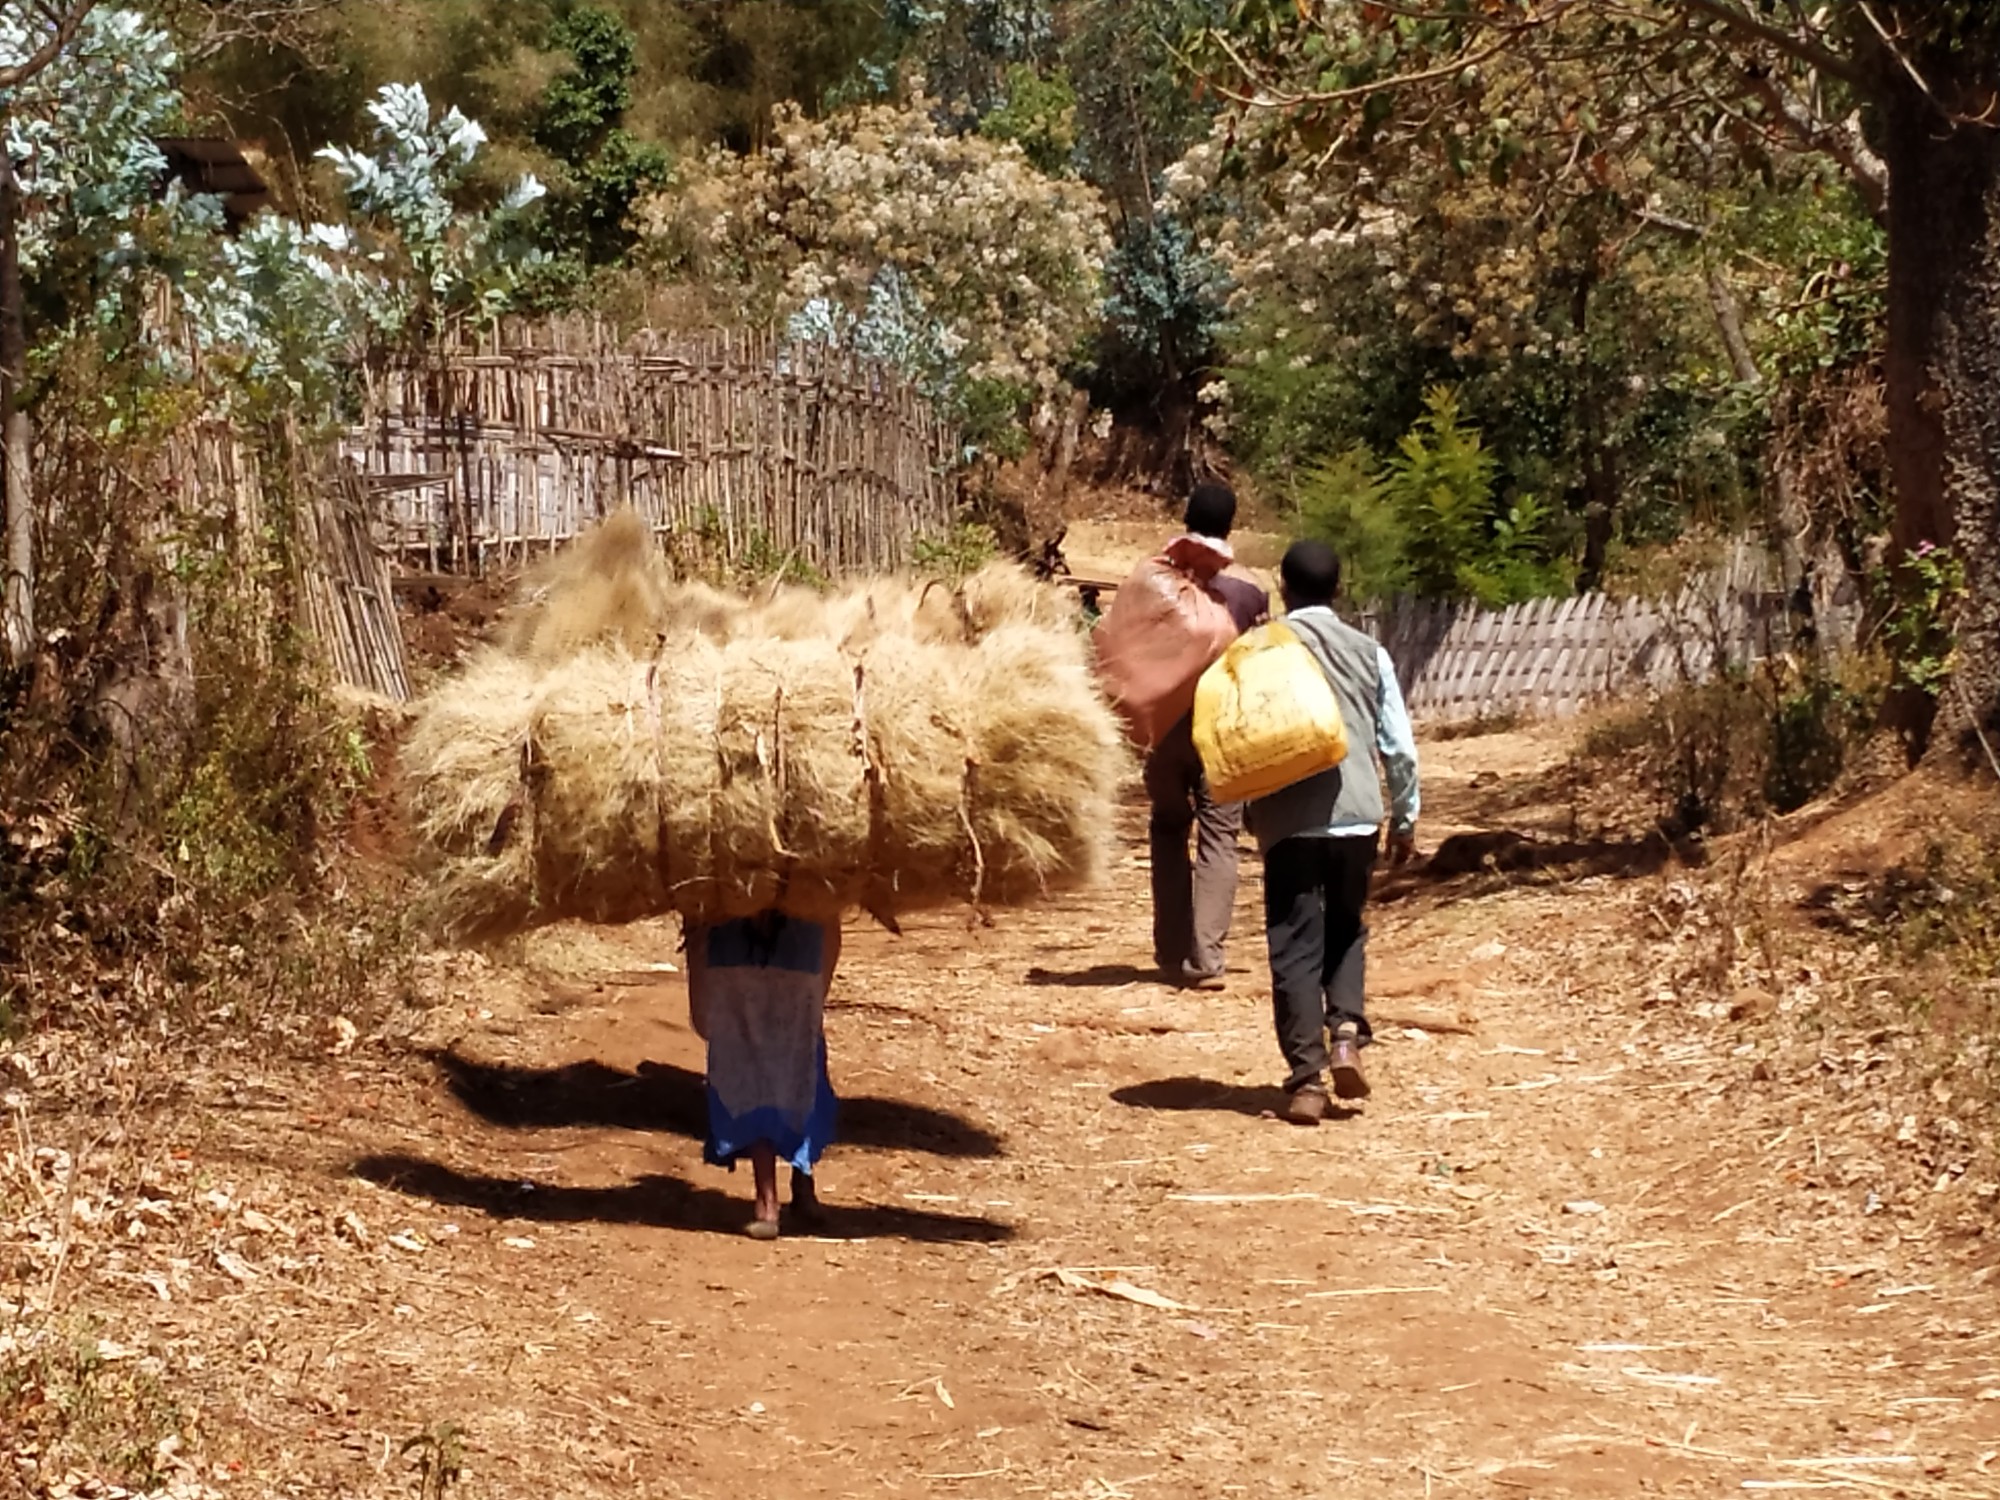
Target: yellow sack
[1265, 716]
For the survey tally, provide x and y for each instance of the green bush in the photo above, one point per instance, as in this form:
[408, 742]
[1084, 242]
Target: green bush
[1458, 541]
[1039, 116]
[1946, 904]
[1342, 502]
[58, 1390]
[174, 776]
[1429, 521]
[1815, 724]
[967, 548]
[1923, 597]
[601, 169]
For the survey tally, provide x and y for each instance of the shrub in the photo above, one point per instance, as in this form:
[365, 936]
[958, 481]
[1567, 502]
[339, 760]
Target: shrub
[1946, 904]
[603, 169]
[1710, 757]
[1428, 521]
[1039, 117]
[1457, 542]
[1924, 595]
[173, 776]
[72, 1406]
[967, 549]
[1936, 917]
[1342, 502]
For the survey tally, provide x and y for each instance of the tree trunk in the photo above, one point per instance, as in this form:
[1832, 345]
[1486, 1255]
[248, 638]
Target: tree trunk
[140, 711]
[17, 597]
[1787, 519]
[1600, 464]
[1943, 367]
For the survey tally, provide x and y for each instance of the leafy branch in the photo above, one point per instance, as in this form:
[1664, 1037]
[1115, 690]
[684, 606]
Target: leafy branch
[59, 25]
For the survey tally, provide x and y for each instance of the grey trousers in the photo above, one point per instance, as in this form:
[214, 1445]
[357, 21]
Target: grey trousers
[1192, 901]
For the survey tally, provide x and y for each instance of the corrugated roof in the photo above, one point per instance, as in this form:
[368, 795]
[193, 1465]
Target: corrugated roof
[209, 164]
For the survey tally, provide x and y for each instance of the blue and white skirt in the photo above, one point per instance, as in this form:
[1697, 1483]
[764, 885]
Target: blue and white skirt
[763, 987]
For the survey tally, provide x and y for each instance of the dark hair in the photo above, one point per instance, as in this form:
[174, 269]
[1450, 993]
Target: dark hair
[1310, 573]
[1211, 509]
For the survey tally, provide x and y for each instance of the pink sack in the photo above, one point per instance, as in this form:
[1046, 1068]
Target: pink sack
[1164, 629]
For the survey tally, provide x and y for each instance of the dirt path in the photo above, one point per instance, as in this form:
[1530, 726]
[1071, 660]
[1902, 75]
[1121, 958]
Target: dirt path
[1582, 1242]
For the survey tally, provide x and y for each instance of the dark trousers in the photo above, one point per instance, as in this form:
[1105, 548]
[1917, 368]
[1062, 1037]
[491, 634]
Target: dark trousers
[1192, 902]
[1314, 890]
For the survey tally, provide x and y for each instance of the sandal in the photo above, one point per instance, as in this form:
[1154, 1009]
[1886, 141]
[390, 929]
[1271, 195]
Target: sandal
[761, 1229]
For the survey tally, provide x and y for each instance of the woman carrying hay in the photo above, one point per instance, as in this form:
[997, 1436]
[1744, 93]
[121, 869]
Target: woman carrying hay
[757, 993]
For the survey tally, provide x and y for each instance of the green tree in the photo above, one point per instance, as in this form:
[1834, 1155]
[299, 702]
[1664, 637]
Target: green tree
[586, 102]
[1039, 116]
[947, 245]
[1899, 93]
[1138, 109]
[1163, 308]
[1340, 500]
[1440, 483]
[742, 59]
[604, 168]
[1430, 521]
[38, 107]
[1458, 542]
[1563, 290]
[701, 73]
[962, 50]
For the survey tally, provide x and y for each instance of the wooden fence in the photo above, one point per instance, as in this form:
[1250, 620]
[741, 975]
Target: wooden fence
[342, 580]
[215, 488]
[1552, 657]
[347, 589]
[760, 450]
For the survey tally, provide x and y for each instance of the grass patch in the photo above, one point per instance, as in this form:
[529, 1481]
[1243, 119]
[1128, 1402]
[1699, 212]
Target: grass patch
[79, 1402]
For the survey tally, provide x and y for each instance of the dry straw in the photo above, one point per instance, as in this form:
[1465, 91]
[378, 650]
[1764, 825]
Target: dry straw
[637, 745]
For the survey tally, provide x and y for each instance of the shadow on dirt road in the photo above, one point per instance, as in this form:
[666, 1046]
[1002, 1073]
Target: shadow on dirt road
[657, 1201]
[1096, 977]
[664, 1097]
[1191, 1094]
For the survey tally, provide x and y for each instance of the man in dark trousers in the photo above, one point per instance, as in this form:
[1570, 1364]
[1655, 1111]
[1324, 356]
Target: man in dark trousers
[1320, 839]
[1192, 903]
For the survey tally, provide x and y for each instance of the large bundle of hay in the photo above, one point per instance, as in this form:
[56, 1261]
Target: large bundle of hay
[637, 746]
[611, 587]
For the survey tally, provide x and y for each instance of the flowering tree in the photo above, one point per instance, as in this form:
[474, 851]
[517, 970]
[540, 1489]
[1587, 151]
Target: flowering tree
[876, 217]
[299, 303]
[79, 134]
[39, 41]
[1578, 235]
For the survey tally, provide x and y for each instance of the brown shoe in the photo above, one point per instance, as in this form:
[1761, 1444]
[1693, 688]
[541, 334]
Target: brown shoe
[1305, 1105]
[1193, 979]
[1348, 1082]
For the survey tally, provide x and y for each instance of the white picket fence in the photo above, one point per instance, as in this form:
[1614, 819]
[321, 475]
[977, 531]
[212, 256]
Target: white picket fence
[1552, 657]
